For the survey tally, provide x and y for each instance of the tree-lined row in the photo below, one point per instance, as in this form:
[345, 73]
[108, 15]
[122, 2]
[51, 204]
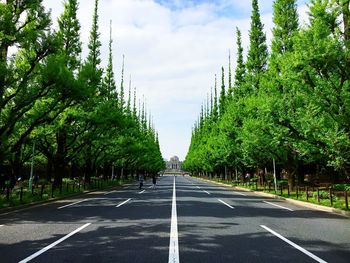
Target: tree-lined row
[67, 109]
[291, 104]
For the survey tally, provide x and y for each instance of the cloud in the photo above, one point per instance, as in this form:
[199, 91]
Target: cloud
[172, 49]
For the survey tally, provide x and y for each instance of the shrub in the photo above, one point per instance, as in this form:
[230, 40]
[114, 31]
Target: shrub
[341, 187]
[322, 194]
[282, 182]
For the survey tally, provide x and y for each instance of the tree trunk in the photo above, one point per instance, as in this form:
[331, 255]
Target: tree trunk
[17, 164]
[346, 18]
[49, 170]
[60, 157]
[291, 170]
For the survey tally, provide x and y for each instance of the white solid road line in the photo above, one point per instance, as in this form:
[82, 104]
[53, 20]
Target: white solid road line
[239, 193]
[226, 204]
[198, 187]
[1, 225]
[72, 204]
[123, 202]
[110, 192]
[174, 243]
[150, 186]
[294, 245]
[142, 191]
[278, 206]
[206, 192]
[53, 244]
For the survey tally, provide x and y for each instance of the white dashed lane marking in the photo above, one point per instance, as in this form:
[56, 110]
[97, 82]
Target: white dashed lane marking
[278, 206]
[122, 203]
[53, 244]
[72, 204]
[226, 204]
[294, 245]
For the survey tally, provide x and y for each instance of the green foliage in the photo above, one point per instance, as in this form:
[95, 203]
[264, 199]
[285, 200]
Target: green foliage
[295, 109]
[222, 99]
[341, 187]
[322, 195]
[240, 68]
[285, 18]
[68, 34]
[257, 53]
[68, 109]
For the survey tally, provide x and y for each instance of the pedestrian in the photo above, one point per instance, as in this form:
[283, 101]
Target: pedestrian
[154, 181]
[141, 178]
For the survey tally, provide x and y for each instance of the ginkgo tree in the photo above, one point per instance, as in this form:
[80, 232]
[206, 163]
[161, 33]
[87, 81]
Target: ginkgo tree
[67, 109]
[291, 105]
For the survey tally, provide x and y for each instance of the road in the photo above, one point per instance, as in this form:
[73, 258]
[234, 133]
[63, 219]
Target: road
[182, 220]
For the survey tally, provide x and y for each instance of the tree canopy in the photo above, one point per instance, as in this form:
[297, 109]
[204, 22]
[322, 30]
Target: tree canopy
[69, 109]
[290, 105]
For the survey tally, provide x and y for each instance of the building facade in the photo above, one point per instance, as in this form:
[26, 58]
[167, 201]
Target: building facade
[174, 163]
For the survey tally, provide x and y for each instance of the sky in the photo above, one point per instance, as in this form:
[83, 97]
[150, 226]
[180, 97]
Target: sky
[173, 49]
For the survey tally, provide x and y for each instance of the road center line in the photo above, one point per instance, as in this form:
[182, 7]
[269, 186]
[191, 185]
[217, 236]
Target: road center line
[206, 192]
[226, 204]
[278, 206]
[174, 243]
[142, 191]
[53, 244]
[122, 203]
[294, 245]
[72, 204]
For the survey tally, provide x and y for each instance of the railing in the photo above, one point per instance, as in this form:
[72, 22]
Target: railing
[320, 195]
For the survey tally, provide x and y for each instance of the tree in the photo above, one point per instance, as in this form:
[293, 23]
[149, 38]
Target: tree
[257, 53]
[27, 76]
[319, 75]
[230, 87]
[215, 102]
[92, 76]
[277, 90]
[121, 93]
[70, 49]
[68, 34]
[240, 68]
[285, 18]
[109, 82]
[49, 97]
[222, 99]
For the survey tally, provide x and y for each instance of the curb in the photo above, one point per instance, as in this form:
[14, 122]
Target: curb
[289, 200]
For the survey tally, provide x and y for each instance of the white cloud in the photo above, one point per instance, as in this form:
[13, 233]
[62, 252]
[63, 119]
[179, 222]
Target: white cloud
[172, 54]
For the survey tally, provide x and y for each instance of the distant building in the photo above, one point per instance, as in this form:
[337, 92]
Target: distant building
[174, 163]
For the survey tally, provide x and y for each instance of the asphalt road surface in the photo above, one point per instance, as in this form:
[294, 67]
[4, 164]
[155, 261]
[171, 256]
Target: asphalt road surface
[182, 220]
